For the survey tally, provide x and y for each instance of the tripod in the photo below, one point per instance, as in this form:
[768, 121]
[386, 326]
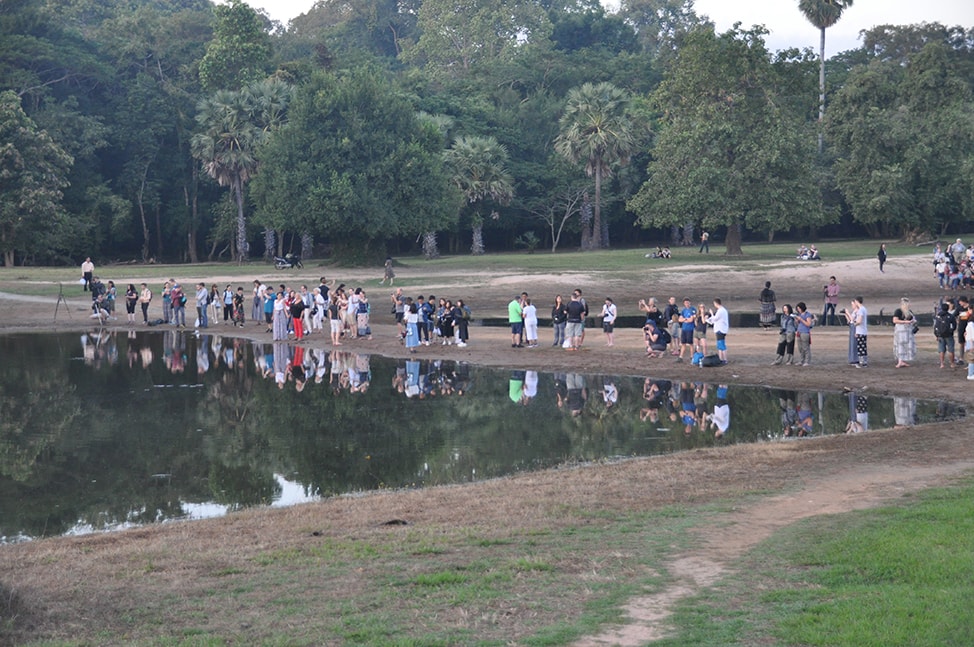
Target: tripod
[60, 300]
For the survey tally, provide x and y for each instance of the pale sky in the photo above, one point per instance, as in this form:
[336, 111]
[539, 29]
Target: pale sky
[787, 25]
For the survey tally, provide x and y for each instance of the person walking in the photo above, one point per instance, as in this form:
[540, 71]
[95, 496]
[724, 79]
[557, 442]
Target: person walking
[881, 255]
[904, 339]
[704, 243]
[388, 274]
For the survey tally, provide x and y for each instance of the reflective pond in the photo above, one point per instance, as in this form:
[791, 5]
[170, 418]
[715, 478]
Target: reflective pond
[109, 430]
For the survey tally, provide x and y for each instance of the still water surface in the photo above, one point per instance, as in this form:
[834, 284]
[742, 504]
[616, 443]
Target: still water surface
[110, 430]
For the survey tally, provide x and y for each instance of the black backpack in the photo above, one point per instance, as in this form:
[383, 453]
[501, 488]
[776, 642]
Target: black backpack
[944, 324]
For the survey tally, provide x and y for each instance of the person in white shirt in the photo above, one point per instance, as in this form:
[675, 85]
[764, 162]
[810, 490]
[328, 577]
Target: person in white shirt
[530, 313]
[720, 320]
[608, 320]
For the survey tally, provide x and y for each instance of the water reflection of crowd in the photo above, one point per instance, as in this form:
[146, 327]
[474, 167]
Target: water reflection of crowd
[424, 379]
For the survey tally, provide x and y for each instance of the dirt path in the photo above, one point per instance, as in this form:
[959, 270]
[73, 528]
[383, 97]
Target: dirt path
[730, 536]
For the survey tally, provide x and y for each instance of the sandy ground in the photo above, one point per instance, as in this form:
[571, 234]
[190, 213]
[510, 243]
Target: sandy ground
[832, 474]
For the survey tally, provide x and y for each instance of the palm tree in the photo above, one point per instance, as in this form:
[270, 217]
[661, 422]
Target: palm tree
[823, 14]
[232, 125]
[596, 128]
[479, 169]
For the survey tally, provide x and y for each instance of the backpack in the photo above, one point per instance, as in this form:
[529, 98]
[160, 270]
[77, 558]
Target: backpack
[944, 324]
[663, 336]
[710, 361]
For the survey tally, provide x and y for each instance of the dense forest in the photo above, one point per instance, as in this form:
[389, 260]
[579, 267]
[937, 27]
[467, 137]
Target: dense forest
[183, 131]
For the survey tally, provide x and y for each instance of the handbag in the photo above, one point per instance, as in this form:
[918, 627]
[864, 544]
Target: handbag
[969, 355]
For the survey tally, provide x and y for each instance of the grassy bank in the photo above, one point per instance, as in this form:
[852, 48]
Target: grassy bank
[892, 576]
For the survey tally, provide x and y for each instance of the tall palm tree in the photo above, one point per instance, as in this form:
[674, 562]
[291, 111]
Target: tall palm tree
[478, 167]
[231, 127]
[596, 128]
[823, 14]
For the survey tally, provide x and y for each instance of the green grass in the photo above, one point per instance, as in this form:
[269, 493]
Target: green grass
[43, 281]
[892, 576]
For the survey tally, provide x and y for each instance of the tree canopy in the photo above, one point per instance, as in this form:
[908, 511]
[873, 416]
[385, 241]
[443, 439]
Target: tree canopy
[183, 145]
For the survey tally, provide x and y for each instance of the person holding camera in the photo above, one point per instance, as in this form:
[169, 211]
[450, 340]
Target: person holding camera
[786, 337]
[904, 337]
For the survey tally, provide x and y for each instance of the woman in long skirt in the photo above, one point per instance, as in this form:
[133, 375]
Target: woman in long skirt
[280, 319]
[767, 299]
[904, 341]
[412, 327]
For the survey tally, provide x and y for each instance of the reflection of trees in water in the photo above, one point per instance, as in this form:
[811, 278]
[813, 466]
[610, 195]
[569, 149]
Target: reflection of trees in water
[104, 443]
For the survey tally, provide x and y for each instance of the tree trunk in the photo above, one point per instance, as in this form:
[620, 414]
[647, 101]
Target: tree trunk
[597, 242]
[477, 247]
[430, 248]
[145, 225]
[269, 236]
[732, 241]
[241, 221]
[307, 245]
[821, 90]
[8, 258]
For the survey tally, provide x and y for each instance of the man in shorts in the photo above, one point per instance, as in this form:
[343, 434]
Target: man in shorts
[399, 307]
[573, 325]
[515, 316]
[688, 316]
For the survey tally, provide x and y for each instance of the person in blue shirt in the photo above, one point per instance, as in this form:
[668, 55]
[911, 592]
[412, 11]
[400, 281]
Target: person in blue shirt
[688, 316]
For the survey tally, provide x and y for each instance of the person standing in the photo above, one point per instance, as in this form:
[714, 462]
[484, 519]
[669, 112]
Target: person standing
[515, 317]
[461, 323]
[167, 302]
[87, 271]
[831, 301]
[803, 333]
[687, 321]
[131, 298]
[704, 242]
[559, 315]
[881, 255]
[530, 313]
[411, 318]
[858, 318]
[671, 320]
[279, 329]
[609, 313]
[202, 300]
[398, 309]
[969, 348]
[904, 340]
[786, 337]
[573, 322]
[227, 304]
[720, 320]
[178, 305]
[145, 298]
[297, 308]
[767, 299]
[944, 325]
